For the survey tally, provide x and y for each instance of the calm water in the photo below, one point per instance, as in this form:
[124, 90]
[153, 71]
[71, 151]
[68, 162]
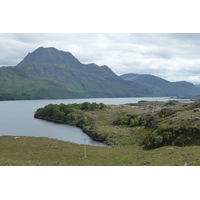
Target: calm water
[17, 119]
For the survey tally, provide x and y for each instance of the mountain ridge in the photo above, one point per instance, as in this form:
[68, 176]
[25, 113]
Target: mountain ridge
[160, 85]
[50, 73]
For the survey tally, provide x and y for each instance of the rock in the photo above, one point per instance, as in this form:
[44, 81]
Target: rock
[115, 106]
[186, 118]
[177, 128]
[170, 148]
[146, 163]
[196, 109]
[116, 127]
[174, 120]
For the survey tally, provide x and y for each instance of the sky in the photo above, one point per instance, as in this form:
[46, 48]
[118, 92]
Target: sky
[172, 56]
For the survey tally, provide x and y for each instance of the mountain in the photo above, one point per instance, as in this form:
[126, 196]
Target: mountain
[48, 73]
[198, 85]
[50, 56]
[162, 86]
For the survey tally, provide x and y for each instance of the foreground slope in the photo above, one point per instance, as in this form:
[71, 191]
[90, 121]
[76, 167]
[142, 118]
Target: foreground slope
[37, 151]
[50, 73]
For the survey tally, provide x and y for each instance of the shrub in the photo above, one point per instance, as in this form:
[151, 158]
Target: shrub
[144, 123]
[123, 120]
[134, 122]
[167, 137]
[158, 141]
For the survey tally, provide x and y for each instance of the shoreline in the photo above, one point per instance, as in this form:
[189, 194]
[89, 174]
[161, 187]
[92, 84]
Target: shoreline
[89, 133]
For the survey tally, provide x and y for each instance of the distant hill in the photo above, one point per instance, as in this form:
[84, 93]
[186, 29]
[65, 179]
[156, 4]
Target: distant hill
[48, 73]
[162, 86]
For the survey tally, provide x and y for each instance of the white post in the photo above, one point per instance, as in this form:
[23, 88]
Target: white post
[85, 149]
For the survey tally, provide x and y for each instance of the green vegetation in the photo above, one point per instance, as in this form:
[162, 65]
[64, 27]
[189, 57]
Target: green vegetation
[155, 103]
[149, 126]
[143, 135]
[33, 151]
[70, 114]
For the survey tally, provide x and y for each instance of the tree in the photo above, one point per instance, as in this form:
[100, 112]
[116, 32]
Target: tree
[85, 106]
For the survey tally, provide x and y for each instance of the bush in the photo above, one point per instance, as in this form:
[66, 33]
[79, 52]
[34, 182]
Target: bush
[158, 140]
[124, 120]
[134, 122]
[144, 123]
[167, 137]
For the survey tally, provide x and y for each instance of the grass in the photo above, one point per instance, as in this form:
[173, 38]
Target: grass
[33, 151]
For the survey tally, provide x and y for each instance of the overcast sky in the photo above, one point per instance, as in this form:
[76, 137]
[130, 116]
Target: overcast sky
[174, 57]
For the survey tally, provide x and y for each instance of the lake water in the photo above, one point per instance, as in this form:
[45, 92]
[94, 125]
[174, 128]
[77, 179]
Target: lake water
[17, 119]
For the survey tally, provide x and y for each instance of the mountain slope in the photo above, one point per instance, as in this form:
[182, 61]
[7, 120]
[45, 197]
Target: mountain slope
[162, 86]
[50, 73]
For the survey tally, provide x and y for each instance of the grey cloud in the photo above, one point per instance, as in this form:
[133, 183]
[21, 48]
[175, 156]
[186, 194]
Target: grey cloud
[170, 56]
[186, 37]
[163, 53]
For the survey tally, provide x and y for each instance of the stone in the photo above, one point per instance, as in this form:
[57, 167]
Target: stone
[196, 109]
[146, 163]
[170, 148]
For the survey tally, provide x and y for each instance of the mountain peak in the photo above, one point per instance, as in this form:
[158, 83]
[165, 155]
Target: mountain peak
[50, 55]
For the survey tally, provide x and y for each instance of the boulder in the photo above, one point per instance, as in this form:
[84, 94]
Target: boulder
[196, 109]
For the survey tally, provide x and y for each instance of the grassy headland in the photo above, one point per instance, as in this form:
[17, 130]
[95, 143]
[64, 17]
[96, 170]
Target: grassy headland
[150, 126]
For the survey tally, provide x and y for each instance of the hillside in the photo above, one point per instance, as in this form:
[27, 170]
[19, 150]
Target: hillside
[150, 125]
[48, 73]
[162, 86]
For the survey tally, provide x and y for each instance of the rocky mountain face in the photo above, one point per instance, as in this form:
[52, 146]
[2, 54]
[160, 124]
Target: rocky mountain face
[162, 86]
[48, 73]
[50, 56]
